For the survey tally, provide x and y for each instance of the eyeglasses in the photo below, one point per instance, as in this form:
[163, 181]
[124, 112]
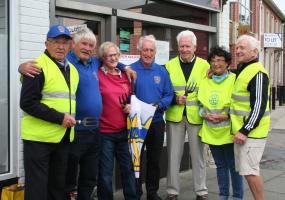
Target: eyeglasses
[110, 56]
[59, 42]
[217, 61]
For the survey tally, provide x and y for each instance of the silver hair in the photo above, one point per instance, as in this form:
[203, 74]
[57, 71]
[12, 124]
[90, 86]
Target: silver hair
[252, 41]
[105, 46]
[150, 38]
[189, 34]
[84, 33]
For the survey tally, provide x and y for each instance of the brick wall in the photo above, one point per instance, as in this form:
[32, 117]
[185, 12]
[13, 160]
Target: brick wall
[235, 10]
[255, 17]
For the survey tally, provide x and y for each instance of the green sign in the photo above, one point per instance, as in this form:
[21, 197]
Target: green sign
[124, 47]
[124, 35]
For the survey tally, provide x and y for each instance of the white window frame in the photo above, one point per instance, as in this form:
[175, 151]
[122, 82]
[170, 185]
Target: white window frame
[14, 88]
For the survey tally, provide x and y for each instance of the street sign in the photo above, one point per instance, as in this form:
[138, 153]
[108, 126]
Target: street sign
[273, 40]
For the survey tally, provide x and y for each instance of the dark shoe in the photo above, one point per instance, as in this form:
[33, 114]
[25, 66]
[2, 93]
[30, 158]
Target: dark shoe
[202, 197]
[154, 197]
[172, 197]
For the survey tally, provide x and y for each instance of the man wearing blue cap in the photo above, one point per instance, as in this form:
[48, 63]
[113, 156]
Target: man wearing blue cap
[48, 102]
[83, 155]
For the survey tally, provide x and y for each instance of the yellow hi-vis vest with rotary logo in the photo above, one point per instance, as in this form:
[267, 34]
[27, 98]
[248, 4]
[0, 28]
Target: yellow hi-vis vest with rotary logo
[56, 95]
[240, 105]
[175, 112]
[216, 99]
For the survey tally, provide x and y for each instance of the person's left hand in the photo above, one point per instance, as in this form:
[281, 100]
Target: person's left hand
[217, 118]
[132, 74]
[127, 108]
[210, 73]
[209, 117]
[239, 138]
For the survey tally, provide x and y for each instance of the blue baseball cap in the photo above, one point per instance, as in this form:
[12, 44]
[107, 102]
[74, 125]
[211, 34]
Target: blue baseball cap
[58, 30]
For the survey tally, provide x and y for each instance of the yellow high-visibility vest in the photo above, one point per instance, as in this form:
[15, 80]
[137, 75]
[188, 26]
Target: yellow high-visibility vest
[216, 99]
[56, 95]
[175, 112]
[240, 105]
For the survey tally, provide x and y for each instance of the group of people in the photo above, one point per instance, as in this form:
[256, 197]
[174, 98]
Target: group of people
[66, 88]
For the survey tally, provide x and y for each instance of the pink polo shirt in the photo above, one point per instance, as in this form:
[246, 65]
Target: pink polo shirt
[113, 119]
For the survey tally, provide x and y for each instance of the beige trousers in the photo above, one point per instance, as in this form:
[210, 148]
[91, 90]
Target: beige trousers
[175, 144]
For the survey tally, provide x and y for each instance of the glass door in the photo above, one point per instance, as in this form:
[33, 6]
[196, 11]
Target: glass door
[4, 82]
[76, 21]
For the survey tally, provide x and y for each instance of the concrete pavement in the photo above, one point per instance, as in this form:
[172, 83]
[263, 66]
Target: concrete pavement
[272, 168]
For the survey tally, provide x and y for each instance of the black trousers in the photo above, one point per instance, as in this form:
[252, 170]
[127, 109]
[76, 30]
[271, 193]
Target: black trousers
[45, 168]
[154, 145]
[83, 158]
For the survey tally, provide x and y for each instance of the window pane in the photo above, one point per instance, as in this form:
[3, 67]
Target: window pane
[245, 12]
[4, 118]
[75, 25]
[129, 31]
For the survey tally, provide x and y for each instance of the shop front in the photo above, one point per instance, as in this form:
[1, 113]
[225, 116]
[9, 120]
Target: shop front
[121, 22]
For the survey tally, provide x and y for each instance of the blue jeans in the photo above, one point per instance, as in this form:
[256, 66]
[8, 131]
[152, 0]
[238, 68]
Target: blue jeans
[115, 145]
[83, 157]
[225, 162]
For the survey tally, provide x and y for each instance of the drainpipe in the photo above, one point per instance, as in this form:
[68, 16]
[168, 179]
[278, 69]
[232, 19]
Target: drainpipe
[260, 9]
[283, 65]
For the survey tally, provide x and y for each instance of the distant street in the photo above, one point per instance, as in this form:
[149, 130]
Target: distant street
[274, 155]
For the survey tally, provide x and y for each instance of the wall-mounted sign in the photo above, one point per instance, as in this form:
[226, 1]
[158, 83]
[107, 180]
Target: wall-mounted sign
[162, 52]
[124, 47]
[273, 40]
[129, 59]
[124, 41]
[125, 35]
[76, 28]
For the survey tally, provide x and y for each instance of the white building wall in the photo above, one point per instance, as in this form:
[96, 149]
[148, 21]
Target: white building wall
[224, 29]
[33, 24]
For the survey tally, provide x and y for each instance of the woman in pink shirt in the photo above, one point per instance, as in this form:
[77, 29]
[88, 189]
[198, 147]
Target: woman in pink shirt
[115, 88]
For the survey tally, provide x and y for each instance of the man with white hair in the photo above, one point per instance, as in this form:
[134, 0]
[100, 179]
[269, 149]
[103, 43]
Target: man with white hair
[250, 113]
[186, 71]
[152, 86]
[84, 151]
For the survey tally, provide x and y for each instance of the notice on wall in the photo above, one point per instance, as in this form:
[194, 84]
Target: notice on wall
[76, 28]
[124, 41]
[162, 52]
[273, 40]
[124, 47]
[129, 59]
[125, 35]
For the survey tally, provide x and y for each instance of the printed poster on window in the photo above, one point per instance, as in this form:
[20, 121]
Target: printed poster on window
[129, 59]
[162, 52]
[124, 41]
